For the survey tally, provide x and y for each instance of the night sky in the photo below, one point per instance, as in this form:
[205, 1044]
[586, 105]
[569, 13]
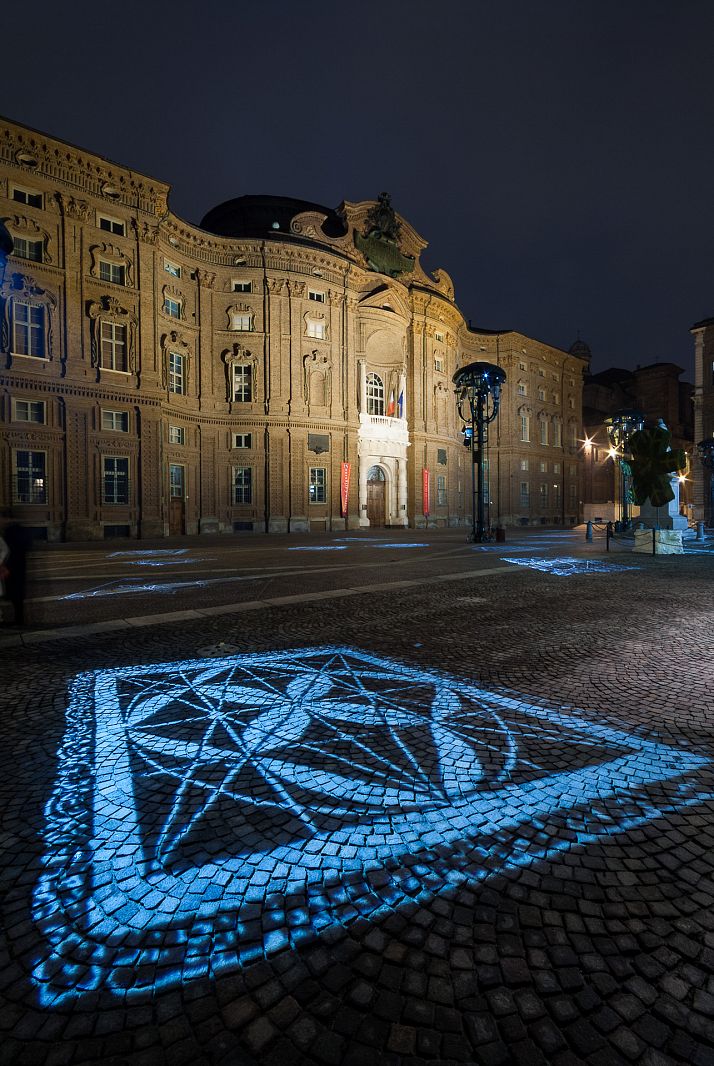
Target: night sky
[557, 156]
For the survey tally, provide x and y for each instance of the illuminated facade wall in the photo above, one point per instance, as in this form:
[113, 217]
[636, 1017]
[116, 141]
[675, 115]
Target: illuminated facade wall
[160, 378]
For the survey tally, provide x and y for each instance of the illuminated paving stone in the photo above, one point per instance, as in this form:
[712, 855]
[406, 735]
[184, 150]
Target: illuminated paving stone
[565, 566]
[117, 588]
[208, 813]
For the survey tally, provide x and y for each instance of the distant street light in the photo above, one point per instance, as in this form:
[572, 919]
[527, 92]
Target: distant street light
[478, 395]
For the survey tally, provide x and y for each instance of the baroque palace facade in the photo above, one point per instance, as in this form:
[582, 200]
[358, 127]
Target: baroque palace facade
[281, 367]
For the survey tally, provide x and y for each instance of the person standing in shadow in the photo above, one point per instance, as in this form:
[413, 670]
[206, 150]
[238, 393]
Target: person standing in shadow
[18, 541]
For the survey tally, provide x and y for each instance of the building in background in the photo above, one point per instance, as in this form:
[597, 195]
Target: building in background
[281, 367]
[703, 333]
[657, 392]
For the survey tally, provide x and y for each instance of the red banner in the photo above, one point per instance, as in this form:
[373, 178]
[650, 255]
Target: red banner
[425, 490]
[345, 488]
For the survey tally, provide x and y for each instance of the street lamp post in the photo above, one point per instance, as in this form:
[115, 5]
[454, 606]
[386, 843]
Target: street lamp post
[478, 396]
[620, 426]
[705, 451]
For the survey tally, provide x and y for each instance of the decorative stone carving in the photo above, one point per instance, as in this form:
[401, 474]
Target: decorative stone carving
[206, 278]
[238, 354]
[21, 226]
[174, 341]
[145, 232]
[239, 309]
[317, 379]
[276, 286]
[112, 254]
[25, 288]
[74, 208]
[296, 288]
[108, 309]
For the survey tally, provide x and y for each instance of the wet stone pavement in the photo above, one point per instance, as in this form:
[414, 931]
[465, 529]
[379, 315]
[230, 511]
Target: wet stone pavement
[455, 821]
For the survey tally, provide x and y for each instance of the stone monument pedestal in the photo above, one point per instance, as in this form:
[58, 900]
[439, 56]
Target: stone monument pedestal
[667, 516]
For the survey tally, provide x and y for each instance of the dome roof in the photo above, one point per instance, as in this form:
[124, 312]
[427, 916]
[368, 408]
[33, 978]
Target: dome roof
[580, 349]
[265, 216]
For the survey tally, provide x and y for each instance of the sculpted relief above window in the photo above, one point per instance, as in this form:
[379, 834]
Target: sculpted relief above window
[113, 336]
[110, 263]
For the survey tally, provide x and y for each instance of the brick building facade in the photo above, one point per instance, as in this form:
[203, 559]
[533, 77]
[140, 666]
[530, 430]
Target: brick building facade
[159, 377]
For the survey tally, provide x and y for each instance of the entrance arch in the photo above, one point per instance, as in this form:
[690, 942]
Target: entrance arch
[376, 496]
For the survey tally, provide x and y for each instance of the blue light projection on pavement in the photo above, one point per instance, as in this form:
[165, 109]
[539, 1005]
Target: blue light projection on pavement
[405, 544]
[209, 813]
[148, 552]
[115, 588]
[565, 566]
[319, 548]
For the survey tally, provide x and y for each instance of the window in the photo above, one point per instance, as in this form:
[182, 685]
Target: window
[556, 468]
[524, 464]
[525, 494]
[242, 320]
[172, 269]
[522, 366]
[557, 435]
[573, 435]
[543, 431]
[242, 440]
[543, 466]
[316, 329]
[177, 435]
[112, 225]
[24, 196]
[114, 347]
[29, 411]
[242, 382]
[441, 456]
[318, 484]
[525, 428]
[27, 249]
[116, 421]
[116, 479]
[541, 372]
[541, 393]
[176, 482]
[544, 495]
[242, 286]
[30, 482]
[318, 297]
[112, 272]
[522, 388]
[28, 329]
[439, 364]
[440, 490]
[242, 484]
[172, 307]
[438, 336]
[177, 376]
[375, 395]
[571, 403]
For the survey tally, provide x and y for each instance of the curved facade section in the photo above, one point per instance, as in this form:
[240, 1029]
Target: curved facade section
[162, 378]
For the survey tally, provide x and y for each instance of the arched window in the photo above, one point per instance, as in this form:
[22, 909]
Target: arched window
[375, 395]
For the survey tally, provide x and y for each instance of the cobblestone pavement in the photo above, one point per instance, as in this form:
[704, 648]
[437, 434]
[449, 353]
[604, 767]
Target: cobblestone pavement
[448, 810]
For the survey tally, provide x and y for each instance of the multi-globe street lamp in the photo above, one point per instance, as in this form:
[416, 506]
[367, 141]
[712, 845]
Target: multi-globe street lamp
[620, 426]
[705, 451]
[478, 396]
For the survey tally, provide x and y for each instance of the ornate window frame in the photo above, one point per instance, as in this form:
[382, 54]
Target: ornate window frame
[375, 395]
[23, 289]
[240, 311]
[312, 321]
[108, 309]
[174, 341]
[110, 253]
[237, 355]
[29, 229]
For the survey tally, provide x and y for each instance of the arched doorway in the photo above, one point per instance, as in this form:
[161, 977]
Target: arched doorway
[376, 495]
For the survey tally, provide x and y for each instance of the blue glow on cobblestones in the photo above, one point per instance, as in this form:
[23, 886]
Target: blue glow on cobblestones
[405, 544]
[566, 566]
[116, 588]
[319, 548]
[147, 553]
[209, 812]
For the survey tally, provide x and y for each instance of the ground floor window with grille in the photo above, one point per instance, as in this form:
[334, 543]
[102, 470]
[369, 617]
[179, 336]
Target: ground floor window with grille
[242, 484]
[30, 480]
[441, 490]
[115, 478]
[318, 484]
[177, 481]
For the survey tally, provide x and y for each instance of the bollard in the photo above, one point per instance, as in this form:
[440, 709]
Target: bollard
[700, 531]
[589, 531]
